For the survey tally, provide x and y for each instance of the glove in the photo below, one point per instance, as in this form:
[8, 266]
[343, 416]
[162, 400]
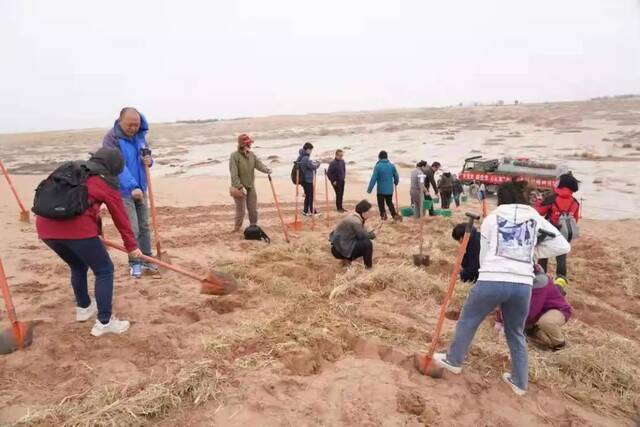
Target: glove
[371, 235]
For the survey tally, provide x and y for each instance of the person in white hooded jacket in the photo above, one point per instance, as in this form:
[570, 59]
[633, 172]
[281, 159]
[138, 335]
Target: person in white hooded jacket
[508, 247]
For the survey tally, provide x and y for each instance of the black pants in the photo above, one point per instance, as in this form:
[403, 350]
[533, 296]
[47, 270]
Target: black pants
[388, 199]
[82, 255]
[561, 265]
[338, 187]
[445, 199]
[431, 210]
[363, 248]
[308, 196]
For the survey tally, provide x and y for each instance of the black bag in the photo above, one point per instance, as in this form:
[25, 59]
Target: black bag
[296, 173]
[64, 193]
[254, 232]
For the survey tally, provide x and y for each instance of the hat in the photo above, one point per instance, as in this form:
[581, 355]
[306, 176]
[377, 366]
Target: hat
[244, 140]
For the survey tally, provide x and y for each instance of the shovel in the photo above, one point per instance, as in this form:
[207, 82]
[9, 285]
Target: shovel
[423, 362]
[21, 334]
[275, 200]
[214, 283]
[297, 224]
[24, 214]
[398, 217]
[326, 196]
[154, 218]
[421, 259]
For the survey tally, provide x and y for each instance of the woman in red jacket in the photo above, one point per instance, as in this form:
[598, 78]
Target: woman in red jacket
[552, 207]
[76, 241]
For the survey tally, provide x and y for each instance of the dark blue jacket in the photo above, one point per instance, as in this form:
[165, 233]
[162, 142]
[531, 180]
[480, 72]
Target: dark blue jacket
[337, 170]
[133, 176]
[471, 260]
[385, 176]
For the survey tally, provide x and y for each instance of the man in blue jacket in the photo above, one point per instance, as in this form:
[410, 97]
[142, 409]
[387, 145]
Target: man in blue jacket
[385, 176]
[128, 136]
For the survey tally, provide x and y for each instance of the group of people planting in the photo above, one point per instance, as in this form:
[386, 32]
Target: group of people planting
[506, 259]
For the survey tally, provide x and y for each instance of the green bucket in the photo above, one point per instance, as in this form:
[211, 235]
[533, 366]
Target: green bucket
[427, 204]
[443, 212]
[406, 211]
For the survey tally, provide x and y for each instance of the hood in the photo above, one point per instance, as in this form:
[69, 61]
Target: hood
[302, 153]
[564, 193]
[383, 161]
[516, 213]
[108, 163]
[144, 127]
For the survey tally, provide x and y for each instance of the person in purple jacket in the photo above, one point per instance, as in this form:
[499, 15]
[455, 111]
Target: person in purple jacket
[548, 312]
[336, 174]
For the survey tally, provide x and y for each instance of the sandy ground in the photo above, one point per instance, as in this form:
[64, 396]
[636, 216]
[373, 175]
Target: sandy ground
[306, 341]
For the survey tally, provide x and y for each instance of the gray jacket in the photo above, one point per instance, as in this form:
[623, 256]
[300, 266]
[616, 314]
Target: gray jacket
[417, 181]
[347, 233]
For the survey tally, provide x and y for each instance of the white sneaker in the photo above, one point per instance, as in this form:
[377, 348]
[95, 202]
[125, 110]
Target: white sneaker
[441, 360]
[114, 326]
[84, 314]
[506, 377]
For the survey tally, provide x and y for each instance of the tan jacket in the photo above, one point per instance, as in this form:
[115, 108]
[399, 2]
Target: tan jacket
[242, 168]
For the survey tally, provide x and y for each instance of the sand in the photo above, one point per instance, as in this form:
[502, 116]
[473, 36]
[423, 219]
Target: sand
[306, 341]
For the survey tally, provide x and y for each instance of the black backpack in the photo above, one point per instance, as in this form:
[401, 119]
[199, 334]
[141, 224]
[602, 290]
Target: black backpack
[254, 232]
[296, 173]
[64, 193]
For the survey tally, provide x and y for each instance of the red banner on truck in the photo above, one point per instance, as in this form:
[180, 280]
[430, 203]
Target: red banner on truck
[497, 179]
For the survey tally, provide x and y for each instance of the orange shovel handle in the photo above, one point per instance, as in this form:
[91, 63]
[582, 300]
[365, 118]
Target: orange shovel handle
[397, 198]
[275, 200]
[13, 188]
[155, 261]
[152, 203]
[11, 310]
[326, 194]
[457, 266]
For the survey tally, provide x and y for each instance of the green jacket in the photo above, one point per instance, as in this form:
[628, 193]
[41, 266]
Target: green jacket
[242, 168]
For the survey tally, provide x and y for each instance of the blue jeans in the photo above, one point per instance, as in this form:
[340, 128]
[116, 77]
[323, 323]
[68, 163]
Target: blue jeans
[513, 299]
[139, 217]
[81, 255]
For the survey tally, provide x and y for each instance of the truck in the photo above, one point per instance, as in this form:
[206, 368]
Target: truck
[493, 172]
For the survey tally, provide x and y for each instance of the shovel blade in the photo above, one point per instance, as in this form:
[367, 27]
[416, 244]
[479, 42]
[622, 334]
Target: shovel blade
[217, 283]
[296, 226]
[24, 217]
[425, 366]
[8, 342]
[421, 260]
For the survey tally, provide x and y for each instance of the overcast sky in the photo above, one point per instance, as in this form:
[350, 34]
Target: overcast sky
[71, 64]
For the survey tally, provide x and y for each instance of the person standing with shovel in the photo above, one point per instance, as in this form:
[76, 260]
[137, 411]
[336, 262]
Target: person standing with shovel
[242, 165]
[128, 135]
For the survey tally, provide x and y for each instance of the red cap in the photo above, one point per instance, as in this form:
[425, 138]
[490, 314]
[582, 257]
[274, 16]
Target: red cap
[244, 140]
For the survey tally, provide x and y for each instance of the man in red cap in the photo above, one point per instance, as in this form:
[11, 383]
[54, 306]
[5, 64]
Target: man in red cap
[242, 164]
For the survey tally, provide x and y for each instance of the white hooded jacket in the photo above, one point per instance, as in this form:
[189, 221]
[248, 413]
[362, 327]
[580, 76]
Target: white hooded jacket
[509, 246]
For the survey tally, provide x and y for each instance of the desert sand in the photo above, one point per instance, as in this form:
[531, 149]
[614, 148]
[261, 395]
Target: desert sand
[305, 341]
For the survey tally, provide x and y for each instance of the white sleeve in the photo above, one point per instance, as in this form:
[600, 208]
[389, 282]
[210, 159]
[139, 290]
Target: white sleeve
[549, 248]
[486, 231]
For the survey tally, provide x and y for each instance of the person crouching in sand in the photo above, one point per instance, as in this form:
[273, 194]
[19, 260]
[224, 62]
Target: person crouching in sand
[351, 240]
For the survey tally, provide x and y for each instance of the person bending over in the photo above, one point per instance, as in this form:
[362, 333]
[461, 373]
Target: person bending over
[471, 260]
[351, 240]
[508, 246]
[76, 242]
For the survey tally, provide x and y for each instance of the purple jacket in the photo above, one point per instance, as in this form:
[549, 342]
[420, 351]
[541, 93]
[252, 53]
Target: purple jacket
[545, 299]
[337, 170]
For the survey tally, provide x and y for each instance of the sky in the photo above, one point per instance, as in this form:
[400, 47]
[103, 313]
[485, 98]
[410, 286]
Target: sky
[69, 64]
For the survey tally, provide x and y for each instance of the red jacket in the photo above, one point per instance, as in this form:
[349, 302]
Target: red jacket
[563, 201]
[85, 226]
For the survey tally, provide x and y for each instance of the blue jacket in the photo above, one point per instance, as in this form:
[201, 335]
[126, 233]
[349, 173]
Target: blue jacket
[307, 167]
[133, 175]
[385, 176]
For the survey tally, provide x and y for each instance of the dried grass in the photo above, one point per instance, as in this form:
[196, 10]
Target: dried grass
[113, 405]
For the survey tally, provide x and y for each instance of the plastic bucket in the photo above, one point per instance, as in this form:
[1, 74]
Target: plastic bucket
[406, 211]
[427, 204]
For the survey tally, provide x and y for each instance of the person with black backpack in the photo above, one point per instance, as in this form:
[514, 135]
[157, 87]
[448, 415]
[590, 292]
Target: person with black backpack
[307, 170]
[67, 205]
[563, 211]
